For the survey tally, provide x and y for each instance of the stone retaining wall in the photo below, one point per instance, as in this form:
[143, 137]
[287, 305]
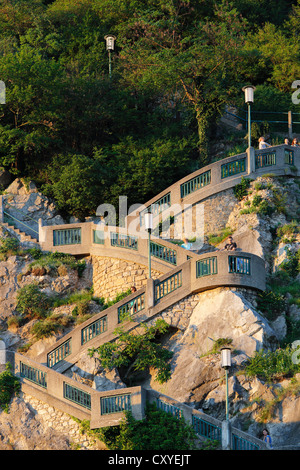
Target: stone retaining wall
[62, 423]
[112, 276]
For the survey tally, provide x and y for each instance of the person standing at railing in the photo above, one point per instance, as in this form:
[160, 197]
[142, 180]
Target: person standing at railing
[186, 244]
[286, 141]
[267, 438]
[262, 144]
[295, 142]
[231, 245]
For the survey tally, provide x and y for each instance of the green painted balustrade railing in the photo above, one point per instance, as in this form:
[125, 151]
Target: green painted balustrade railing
[94, 329]
[60, 353]
[206, 267]
[168, 285]
[98, 237]
[77, 396]
[70, 236]
[169, 408]
[265, 159]
[239, 265]
[131, 307]
[156, 207]
[34, 375]
[115, 404]
[195, 183]
[164, 253]
[123, 241]
[206, 429]
[239, 443]
[289, 157]
[233, 168]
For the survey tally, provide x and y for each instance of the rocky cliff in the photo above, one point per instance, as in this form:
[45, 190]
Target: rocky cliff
[264, 221]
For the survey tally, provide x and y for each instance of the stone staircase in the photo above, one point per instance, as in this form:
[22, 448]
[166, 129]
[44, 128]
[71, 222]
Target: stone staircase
[48, 383]
[22, 236]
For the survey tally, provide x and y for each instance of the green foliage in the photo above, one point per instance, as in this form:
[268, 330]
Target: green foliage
[271, 304]
[271, 366]
[215, 239]
[9, 246]
[157, 431]
[119, 296]
[87, 139]
[9, 385]
[53, 260]
[288, 229]
[137, 351]
[32, 302]
[241, 189]
[45, 328]
[292, 265]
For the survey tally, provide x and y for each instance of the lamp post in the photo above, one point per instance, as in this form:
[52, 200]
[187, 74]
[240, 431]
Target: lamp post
[110, 45]
[249, 99]
[226, 363]
[149, 227]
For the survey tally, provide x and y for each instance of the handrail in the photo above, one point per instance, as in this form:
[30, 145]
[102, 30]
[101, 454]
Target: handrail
[20, 222]
[188, 277]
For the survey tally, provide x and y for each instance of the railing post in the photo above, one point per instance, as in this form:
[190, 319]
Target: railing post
[250, 159]
[1, 210]
[150, 293]
[290, 124]
[226, 435]
[42, 233]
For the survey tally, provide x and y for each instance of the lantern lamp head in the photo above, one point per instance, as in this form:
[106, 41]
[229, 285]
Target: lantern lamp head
[249, 93]
[226, 357]
[110, 42]
[148, 221]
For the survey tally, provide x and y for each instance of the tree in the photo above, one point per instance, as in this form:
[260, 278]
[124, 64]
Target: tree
[195, 60]
[75, 181]
[157, 431]
[32, 115]
[137, 351]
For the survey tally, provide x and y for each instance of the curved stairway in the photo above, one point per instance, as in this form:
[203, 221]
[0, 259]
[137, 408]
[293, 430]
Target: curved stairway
[184, 273]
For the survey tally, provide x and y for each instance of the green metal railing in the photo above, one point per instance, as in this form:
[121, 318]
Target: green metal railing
[206, 429]
[167, 286]
[162, 252]
[71, 236]
[239, 443]
[239, 265]
[265, 159]
[233, 168]
[168, 408]
[288, 157]
[34, 375]
[195, 183]
[157, 207]
[77, 396]
[98, 237]
[206, 267]
[130, 308]
[8, 218]
[115, 404]
[60, 353]
[94, 329]
[123, 241]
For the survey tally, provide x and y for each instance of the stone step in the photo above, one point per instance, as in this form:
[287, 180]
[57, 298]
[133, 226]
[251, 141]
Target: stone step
[23, 236]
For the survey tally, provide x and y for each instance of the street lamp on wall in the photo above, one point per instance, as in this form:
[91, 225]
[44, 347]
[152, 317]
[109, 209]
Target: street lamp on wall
[149, 227]
[249, 99]
[110, 46]
[226, 364]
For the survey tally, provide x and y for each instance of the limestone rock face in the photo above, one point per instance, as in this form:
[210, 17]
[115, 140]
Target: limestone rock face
[26, 204]
[226, 314]
[219, 313]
